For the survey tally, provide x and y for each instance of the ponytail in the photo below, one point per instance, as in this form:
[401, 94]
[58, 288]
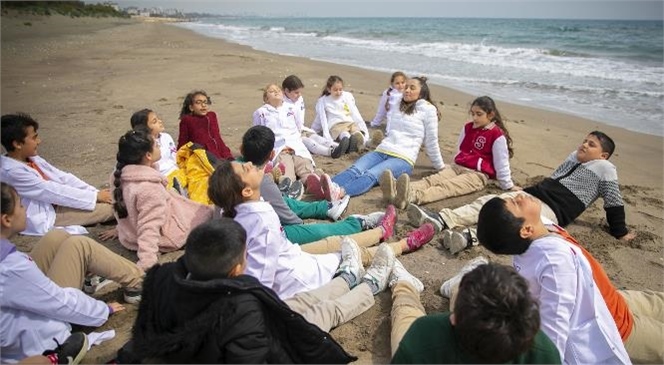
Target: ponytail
[225, 188]
[489, 106]
[132, 147]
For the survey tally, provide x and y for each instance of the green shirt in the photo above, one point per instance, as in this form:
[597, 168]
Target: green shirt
[431, 340]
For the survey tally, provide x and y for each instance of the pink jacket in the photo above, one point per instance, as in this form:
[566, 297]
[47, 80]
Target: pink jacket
[158, 220]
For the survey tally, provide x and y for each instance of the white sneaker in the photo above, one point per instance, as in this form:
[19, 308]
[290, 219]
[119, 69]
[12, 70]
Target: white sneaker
[399, 273]
[381, 267]
[338, 208]
[371, 220]
[351, 260]
[458, 241]
[456, 279]
[402, 197]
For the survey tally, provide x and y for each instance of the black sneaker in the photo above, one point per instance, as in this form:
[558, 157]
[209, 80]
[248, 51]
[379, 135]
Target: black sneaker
[71, 351]
[341, 149]
[284, 185]
[296, 190]
[417, 216]
[356, 142]
[93, 283]
[132, 295]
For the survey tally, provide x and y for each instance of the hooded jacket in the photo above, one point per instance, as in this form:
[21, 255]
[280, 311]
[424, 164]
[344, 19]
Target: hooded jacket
[227, 320]
[204, 130]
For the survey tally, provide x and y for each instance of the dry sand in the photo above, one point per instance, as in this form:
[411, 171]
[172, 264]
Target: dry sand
[83, 78]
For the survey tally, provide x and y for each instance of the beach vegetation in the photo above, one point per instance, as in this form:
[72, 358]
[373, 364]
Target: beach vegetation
[74, 9]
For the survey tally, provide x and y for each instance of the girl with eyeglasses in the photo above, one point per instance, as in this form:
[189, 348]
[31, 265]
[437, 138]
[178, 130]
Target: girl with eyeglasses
[199, 125]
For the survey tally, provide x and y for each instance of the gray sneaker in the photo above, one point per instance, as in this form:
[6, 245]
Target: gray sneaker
[351, 261]
[371, 220]
[388, 186]
[381, 268]
[446, 288]
[402, 197]
[399, 273]
[417, 216]
[133, 295]
[458, 241]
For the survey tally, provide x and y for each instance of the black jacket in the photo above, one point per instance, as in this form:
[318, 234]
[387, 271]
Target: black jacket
[232, 320]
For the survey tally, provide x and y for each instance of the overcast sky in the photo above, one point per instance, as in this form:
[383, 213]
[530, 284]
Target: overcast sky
[580, 9]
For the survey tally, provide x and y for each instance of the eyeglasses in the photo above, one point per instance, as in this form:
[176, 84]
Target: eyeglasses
[202, 102]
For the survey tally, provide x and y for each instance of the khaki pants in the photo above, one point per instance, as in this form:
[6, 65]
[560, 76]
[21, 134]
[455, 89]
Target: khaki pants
[450, 182]
[296, 166]
[406, 308]
[364, 239]
[645, 344]
[349, 127]
[332, 304]
[65, 216]
[66, 259]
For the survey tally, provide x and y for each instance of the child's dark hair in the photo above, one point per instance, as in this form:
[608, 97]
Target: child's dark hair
[390, 89]
[189, 100]
[489, 106]
[132, 147]
[499, 230]
[257, 144]
[225, 188]
[14, 128]
[9, 197]
[496, 318]
[291, 83]
[214, 248]
[605, 141]
[140, 118]
[330, 82]
[409, 107]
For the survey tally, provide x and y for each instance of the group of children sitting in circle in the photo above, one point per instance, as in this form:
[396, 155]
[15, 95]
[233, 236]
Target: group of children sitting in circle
[256, 284]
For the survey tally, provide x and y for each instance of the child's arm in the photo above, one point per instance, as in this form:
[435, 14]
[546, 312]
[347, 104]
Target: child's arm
[183, 137]
[151, 205]
[357, 117]
[381, 111]
[262, 252]
[501, 163]
[224, 151]
[271, 194]
[432, 147]
[251, 341]
[614, 206]
[321, 115]
[258, 117]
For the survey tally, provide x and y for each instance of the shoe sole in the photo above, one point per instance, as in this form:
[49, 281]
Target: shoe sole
[394, 222]
[457, 243]
[296, 193]
[447, 238]
[314, 187]
[417, 217]
[346, 202]
[325, 186]
[81, 354]
[132, 300]
[387, 186]
[342, 149]
[401, 198]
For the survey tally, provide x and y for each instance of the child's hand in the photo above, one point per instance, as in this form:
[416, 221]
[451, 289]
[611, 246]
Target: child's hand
[628, 237]
[115, 307]
[105, 196]
[109, 234]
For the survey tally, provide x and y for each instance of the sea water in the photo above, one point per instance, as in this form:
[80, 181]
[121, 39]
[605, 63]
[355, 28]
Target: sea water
[610, 71]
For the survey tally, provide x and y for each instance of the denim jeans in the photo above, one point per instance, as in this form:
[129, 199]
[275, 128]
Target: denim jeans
[364, 173]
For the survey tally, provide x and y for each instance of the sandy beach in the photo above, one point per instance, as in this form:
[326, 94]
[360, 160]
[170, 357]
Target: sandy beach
[83, 78]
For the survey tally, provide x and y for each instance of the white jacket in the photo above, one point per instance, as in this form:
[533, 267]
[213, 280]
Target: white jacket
[330, 111]
[35, 309]
[275, 261]
[572, 310]
[409, 132]
[39, 195]
[297, 107]
[382, 112]
[167, 163]
[281, 121]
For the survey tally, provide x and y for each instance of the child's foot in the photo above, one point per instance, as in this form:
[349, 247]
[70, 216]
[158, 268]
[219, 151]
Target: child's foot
[356, 142]
[446, 288]
[314, 186]
[284, 184]
[388, 221]
[371, 220]
[458, 241]
[331, 191]
[71, 351]
[377, 136]
[387, 186]
[420, 236]
[399, 273]
[418, 215]
[338, 208]
[341, 149]
[403, 190]
[351, 268]
[296, 190]
[379, 272]
[93, 283]
[132, 295]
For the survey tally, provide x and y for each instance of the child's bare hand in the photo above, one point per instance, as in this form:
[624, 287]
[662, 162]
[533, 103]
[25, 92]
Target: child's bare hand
[105, 196]
[116, 307]
[628, 237]
[109, 234]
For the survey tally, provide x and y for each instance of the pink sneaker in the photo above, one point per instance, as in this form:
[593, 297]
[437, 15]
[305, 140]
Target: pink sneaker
[331, 191]
[389, 219]
[420, 236]
[314, 186]
[282, 168]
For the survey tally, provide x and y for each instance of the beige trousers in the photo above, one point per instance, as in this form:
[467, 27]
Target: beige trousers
[406, 308]
[65, 216]
[66, 259]
[349, 127]
[452, 181]
[364, 239]
[296, 166]
[645, 344]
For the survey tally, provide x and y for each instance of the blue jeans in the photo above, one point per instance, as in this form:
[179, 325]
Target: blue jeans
[364, 173]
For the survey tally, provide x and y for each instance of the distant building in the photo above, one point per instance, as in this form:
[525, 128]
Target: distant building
[115, 6]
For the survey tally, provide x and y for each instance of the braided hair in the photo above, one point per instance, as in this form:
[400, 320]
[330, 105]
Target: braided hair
[489, 106]
[132, 147]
